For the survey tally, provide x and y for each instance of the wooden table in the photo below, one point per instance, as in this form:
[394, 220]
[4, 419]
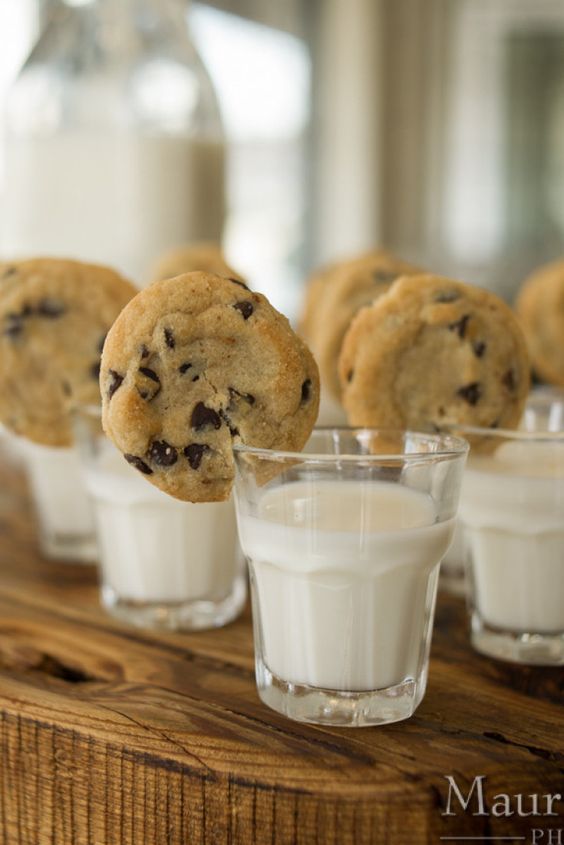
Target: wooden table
[112, 735]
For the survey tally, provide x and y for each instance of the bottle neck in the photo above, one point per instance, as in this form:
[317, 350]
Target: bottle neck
[129, 6]
[120, 26]
[144, 15]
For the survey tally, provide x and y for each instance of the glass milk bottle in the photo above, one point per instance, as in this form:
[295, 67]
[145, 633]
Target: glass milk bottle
[113, 139]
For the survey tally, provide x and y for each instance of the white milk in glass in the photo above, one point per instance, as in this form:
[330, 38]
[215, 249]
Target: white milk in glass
[512, 507]
[345, 580]
[118, 198]
[156, 549]
[64, 512]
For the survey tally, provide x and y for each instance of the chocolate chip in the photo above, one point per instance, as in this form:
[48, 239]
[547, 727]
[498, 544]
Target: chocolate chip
[306, 390]
[50, 308]
[116, 383]
[245, 307]
[183, 368]
[384, 276]
[248, 397]
[202, 417]
[14, 325]
[144, 352]
[238, 282]
[169, 338]
[196, 378]
[9, 271]
[138, 464]
[460, 325]
[447, 296]
[26, 311]
[350, 376]
[101, 343]
[95, 370]
[471, 393]
[148, 383]
[162, 453]
[195, 452]
[150, 374]
[508, 380]
[479, 348]
[233, 430]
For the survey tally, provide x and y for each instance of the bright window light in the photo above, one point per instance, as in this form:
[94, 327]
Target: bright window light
[261, 74]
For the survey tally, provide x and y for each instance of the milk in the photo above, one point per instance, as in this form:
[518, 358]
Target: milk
[345, 580]
[114, 199]
[154, 548]
[64, 512]
[512, 506]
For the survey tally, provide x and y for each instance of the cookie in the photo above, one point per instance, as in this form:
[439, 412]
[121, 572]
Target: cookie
[205, 256]
[315, 288]
[540, 308]
[352, 286]
[195, 364]
[54, 316]
[432, 352]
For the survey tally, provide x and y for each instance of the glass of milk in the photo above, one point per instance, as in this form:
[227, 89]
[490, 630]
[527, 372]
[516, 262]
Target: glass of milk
[452, 579]
[512, 508]
[164, 564]
[344, 543]
[64, 512]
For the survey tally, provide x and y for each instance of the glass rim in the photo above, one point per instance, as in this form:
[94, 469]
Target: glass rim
[507, 433]
[455, 447]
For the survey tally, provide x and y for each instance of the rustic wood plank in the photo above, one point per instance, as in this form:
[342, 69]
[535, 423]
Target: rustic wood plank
[113, 735]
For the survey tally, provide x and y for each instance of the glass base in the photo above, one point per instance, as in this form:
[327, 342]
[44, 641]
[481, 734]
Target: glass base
[71, 548]
[195, 615]
[342, 709]
[517, 647]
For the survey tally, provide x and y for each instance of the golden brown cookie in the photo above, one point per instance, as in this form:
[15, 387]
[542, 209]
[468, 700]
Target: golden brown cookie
[351, 287]
[205, 256]
[195, 364]
[54, 316]
[540, 308]
[432, 352]
[314, 290]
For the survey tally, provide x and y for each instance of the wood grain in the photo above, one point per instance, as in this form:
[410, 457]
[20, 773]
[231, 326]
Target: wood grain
[114, 736]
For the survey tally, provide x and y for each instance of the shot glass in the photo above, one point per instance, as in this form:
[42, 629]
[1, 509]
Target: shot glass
[164, 564]
[452, 578]
[62, 505]
[343, 543]
[512, 508]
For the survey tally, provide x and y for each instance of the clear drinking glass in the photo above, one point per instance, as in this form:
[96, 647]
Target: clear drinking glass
[452, 578]
[64, 511]
[512, 508]
[164, 563]
[343, 543]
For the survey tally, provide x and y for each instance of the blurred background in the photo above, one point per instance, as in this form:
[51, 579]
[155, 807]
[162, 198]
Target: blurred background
[433, 127]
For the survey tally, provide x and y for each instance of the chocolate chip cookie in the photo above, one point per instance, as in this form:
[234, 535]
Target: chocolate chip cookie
[315, 288]
[350, 287]
[206, 256]
[540, 308]
[432, 352]
[54, 316]
[195, 364]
